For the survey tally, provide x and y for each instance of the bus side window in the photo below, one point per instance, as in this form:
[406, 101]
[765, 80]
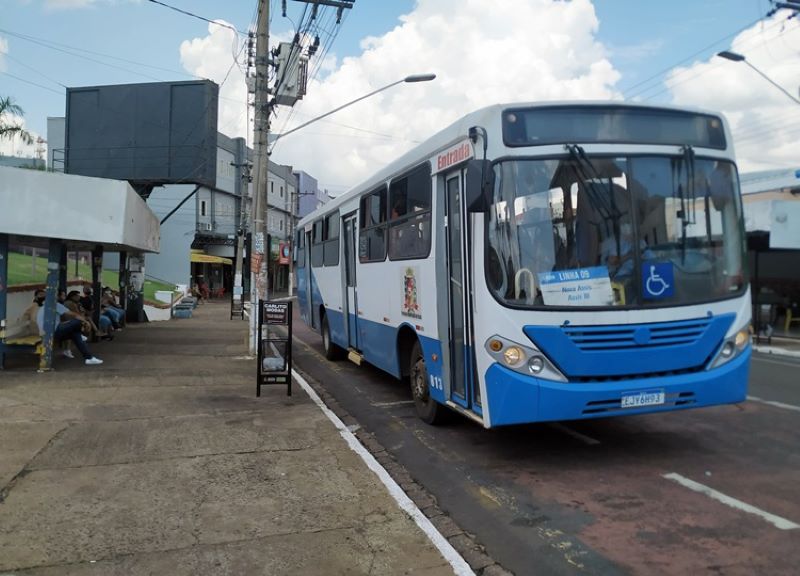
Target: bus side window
[331, 242]
[317, 247]
[409, 224]
[372, 227]
[300, 248]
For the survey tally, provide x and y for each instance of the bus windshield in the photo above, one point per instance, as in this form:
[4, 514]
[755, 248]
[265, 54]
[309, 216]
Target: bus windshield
[639, 231]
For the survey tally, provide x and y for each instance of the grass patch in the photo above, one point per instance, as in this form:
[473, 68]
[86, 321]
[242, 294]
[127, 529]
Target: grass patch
[25, 269]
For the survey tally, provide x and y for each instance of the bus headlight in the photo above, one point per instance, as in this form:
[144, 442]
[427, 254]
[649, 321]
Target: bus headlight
[526, 360]
[731, 348]
[536, 365]
[513, 355]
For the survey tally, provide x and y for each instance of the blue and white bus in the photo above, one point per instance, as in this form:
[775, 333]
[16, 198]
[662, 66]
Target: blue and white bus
[537, 262]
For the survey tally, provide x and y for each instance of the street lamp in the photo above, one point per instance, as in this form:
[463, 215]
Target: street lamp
[409, 79]
[735, 57]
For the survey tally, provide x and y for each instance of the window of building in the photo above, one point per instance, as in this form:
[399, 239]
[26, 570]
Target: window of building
[372, 226]
[410, 215]
[202, 208]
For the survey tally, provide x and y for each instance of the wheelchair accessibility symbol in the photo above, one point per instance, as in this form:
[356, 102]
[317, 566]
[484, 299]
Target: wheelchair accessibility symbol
[658, 280]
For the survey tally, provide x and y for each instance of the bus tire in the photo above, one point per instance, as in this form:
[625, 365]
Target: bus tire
[332, 351]
[428, 409]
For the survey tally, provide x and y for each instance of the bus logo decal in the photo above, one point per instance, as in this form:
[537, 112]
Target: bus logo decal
[411, 306]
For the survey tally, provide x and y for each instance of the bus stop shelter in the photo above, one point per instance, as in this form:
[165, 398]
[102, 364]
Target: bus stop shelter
[61, 212]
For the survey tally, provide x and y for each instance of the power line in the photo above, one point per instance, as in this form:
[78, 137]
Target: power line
[203, 18]
[32, 83]
[627, 92]
[54, 46]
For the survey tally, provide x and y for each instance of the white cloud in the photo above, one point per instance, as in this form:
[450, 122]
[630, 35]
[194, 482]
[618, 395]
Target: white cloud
[764, 121]
[211, 57]
[482, 54]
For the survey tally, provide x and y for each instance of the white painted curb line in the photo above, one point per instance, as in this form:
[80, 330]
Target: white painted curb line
[776, 350]
[460, 566]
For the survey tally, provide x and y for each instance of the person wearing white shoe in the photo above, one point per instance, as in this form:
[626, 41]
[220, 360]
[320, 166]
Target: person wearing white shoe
[69, 328]
[68, 353]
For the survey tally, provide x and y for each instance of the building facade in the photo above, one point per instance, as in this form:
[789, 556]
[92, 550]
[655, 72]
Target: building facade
[309, 196]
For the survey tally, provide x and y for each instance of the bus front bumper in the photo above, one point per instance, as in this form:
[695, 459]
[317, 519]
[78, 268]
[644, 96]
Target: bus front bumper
[515, 398]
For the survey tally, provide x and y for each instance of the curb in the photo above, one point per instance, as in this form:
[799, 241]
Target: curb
[776, 350]
[463, 542]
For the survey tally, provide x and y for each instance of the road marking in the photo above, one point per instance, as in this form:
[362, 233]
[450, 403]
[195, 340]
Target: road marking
[777, 521]
[459, 565]
[774, 403]
[575, 434]
[389, 404]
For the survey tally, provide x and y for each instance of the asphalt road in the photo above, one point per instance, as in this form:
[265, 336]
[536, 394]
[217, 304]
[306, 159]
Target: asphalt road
[708, 491]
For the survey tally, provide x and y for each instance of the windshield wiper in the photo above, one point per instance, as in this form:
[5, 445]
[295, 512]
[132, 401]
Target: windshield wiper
[589, 176]
[687, 195]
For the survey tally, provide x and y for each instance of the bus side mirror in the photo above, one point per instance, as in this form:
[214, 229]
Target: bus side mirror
[479, 185]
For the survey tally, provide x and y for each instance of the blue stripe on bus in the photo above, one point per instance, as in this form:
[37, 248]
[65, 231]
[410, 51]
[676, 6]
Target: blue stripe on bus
[515, 398]
[631, 349]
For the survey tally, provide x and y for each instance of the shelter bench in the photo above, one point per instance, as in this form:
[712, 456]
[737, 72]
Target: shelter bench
[19, 344]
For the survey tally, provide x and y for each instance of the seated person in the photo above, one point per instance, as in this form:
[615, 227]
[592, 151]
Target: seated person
[73, 303]
[69, 326]
[109, 307]
[26, 323]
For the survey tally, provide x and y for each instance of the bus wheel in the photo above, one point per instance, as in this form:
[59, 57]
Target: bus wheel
[332, 351]
[427, 408]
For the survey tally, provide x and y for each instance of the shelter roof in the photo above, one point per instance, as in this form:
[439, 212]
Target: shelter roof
[83, 211]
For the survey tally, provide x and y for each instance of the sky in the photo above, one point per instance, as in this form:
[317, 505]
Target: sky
[482, 53]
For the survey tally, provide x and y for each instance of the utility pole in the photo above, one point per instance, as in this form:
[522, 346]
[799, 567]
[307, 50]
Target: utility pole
[237, 301]
[259, 251]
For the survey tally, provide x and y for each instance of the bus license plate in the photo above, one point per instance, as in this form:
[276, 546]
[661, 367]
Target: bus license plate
[646, 398]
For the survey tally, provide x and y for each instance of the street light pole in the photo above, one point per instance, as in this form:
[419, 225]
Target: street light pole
[409, 79]
[735, 57]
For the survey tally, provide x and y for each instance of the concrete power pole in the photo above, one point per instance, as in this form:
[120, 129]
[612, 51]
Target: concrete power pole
[259, 251]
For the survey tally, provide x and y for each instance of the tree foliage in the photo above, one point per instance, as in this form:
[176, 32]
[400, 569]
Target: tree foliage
[9, 127]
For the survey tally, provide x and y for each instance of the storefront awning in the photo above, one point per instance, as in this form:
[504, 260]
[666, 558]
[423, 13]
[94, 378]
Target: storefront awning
[209, 259]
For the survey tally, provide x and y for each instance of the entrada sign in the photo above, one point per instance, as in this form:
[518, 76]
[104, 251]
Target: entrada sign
[454, 155]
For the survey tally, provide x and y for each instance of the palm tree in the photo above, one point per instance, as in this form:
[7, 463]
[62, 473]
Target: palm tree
[8, 129]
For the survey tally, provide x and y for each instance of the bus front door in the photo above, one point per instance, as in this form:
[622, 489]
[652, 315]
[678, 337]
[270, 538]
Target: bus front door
[461, 361]
[351, 301]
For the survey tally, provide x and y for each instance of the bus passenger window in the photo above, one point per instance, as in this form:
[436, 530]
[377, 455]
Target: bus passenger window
[372, 227]
[409, 223]
[317, 246]
[331, 242]
[300, 248]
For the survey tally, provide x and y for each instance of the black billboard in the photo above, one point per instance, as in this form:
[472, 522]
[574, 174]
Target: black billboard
[153, 134]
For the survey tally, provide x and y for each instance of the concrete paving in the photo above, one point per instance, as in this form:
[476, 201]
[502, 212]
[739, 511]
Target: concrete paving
[163, 461]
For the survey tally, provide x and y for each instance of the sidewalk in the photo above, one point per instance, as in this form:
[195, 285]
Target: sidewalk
[163, 461]
[778, 346]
